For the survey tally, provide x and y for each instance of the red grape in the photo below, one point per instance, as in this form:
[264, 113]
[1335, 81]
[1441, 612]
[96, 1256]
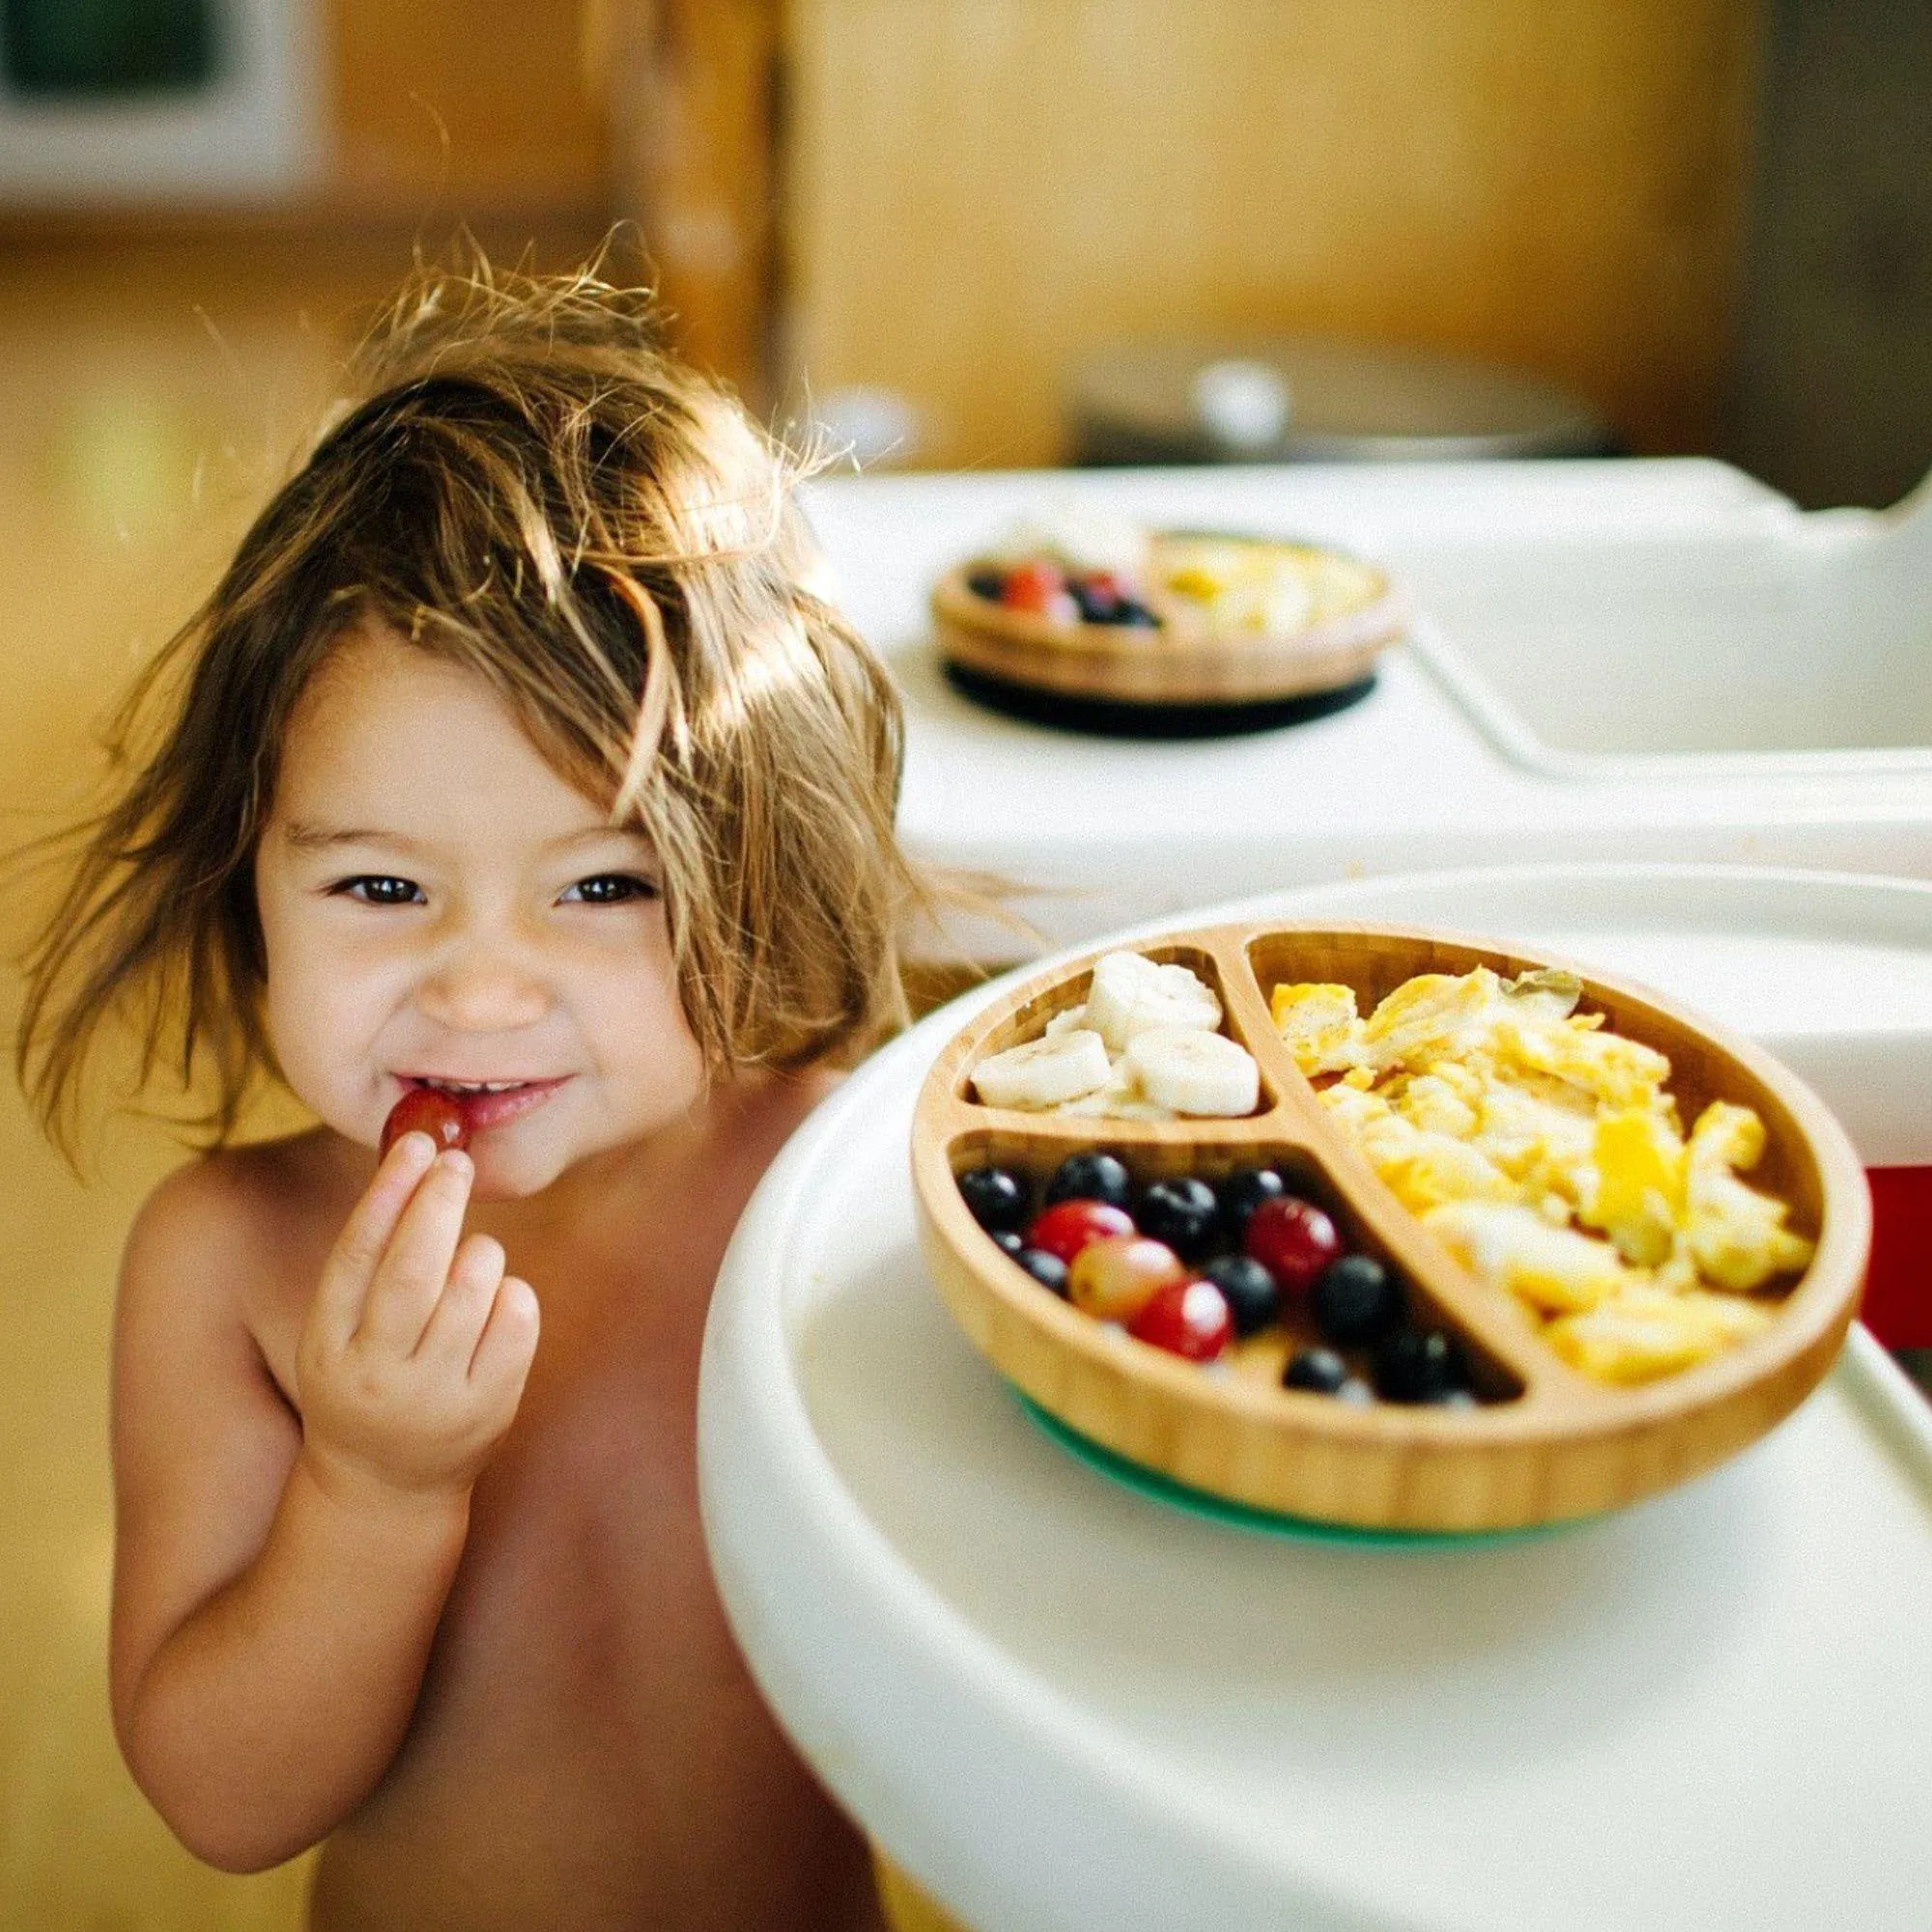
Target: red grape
[1068, 1225]
[1032, 587]
[422, 1110]
[1186, 1318]
[1293, 1239]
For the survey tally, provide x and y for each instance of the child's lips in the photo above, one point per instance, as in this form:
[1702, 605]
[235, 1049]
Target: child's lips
[482, 1111]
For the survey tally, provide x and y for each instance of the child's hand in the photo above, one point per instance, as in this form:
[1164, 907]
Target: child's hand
[415, 1353]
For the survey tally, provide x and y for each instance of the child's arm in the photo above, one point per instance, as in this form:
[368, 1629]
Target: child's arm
[278, 1579]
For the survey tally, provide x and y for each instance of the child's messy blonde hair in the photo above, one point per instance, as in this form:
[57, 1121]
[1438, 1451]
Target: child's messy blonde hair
[529, 487]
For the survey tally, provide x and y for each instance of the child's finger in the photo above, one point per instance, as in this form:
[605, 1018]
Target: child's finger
[508, 1341]
[412, 1273]
[358, 1249]
[449, 1339]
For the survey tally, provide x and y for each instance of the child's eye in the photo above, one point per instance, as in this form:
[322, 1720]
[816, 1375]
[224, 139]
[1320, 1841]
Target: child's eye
[373, 889]
[609, 889]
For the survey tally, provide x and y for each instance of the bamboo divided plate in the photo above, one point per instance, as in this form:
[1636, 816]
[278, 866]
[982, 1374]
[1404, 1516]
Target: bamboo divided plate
[1180, 663]
[1545, 1443]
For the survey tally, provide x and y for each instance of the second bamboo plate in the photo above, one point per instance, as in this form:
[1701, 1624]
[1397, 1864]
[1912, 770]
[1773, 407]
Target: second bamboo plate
[1545, 1443]
[1177, 661]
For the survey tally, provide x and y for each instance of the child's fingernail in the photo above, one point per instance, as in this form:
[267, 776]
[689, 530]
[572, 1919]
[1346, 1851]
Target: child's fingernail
[419, 1149]
[458, 1162]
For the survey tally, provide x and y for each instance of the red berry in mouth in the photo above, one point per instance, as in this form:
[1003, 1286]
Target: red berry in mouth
[1293, 1239]
[422, 1110]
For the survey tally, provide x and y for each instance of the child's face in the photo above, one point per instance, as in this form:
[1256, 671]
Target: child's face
[438, 903]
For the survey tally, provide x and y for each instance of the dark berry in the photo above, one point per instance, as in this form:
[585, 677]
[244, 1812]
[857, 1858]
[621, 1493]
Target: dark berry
[1091, 1176]
[1243, 1191]
[1322, 1370]
[1458, 1398]
[994, 1197]
[1183, 1214]
[1249, 1289]
[1135, 615]
[1049, 1270]
[1355, 1300]
[1097, 599]
[1008, 1241]
[1418, 1365]
[1293, 1239]
[1356, 1393]
[987, 584]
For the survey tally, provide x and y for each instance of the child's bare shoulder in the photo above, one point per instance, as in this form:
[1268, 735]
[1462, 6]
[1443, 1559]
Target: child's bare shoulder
[235, 1229]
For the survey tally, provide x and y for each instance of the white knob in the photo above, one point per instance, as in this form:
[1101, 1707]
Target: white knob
[1242, 404]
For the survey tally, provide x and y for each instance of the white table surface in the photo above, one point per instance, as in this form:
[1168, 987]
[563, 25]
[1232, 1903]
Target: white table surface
[1109, 832]
[1063, 1706]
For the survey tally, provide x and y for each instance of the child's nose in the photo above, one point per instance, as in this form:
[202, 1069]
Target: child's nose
[482, 988]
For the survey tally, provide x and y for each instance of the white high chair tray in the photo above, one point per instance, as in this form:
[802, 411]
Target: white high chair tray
[1063, 1705]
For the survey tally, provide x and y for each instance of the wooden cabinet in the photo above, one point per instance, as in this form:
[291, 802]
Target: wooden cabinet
[979, 191]
[469, 107]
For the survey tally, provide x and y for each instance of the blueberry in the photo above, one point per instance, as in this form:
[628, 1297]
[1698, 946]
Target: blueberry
[1418, 1365]
[1456, 1399]
[1008, 1241]
[1356, 1393]
[986, 583]
[995, 1198]
[1321, 1371]
[1091, 1176]
[1098, 602]
[1249, 1289]
[1243, 1191]
[1356, 1301]
[1183, 1214]
[1049, 1270]
[1136, 615]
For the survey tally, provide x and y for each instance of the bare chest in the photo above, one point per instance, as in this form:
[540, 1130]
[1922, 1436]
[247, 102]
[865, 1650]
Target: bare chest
[585, 1566]
[583, 1702]
[584, 1577]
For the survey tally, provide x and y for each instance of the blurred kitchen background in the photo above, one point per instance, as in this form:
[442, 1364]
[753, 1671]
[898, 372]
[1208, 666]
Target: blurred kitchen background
[956, 233]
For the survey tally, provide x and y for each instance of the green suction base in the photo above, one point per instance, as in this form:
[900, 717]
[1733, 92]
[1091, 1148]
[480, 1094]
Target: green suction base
[1269, 1522]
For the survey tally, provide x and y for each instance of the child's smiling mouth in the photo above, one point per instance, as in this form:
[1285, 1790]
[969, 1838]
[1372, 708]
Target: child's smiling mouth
[487, 1103]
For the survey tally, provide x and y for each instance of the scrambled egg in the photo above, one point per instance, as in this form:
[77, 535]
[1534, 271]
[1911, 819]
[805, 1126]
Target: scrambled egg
[1249, 586]
[1545, 1153]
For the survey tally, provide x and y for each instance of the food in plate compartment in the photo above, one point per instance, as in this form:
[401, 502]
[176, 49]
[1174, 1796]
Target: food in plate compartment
[1243, 1271]
[1143, 1045]
[1074, 565]
[1547, 1154]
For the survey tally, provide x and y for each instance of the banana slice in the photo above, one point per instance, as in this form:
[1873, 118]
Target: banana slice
[1132, 995]
[1119, 1099]
[1043, 1072]
[1192, 1071]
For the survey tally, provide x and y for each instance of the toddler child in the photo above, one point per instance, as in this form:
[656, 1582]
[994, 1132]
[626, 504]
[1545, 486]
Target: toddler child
[513, 756]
